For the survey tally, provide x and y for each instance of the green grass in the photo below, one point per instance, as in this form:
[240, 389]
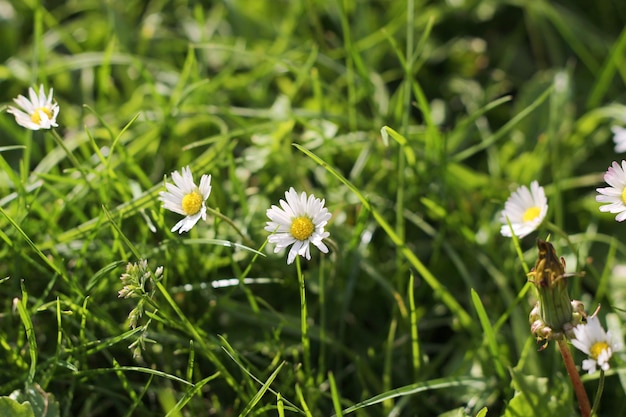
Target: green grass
[414, 121]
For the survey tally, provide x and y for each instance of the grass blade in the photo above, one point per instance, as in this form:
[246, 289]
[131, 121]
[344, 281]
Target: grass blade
[257, 397]
[490, 337]
[438, 288]
[442, 383]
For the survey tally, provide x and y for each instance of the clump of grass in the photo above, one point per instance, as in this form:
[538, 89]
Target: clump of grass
[414, 122]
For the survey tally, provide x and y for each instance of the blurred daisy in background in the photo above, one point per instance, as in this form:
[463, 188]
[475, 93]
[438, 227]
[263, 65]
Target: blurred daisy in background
[525, 210]
[40, 112]
[619, 138]
[615, 195]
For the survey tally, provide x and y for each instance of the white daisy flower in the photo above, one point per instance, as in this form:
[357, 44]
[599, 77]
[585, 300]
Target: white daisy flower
[526, 208]
[615, 195]
[40, 112]
[300, 221]
[619, 138]
[183, 197]
[591, 339]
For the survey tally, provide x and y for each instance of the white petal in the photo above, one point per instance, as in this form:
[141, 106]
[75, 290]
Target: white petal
[589, 365]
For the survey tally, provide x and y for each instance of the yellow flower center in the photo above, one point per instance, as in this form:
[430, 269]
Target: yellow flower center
[624, 196]
[531, 214]
[597, 348]
[192, 203]
[36, 118]
[302, 228]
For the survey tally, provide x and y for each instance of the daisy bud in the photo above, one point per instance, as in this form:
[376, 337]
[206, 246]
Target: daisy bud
[554, 314]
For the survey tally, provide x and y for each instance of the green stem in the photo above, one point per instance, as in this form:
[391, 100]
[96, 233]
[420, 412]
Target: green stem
[322, 302]
[304, 329]
[415, 344]
[579, 389]
[596, 401]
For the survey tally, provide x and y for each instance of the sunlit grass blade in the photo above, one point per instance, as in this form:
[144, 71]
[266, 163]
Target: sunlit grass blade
[416, 356]
[463, 128]
[614, 62]
[566, 21]
[121, 234]
[191, 362]
[102, 274]
[489, 335]
[501, 133]
[30, 335]
[386, 132]
[257, 397]
[438, 288]
[221, 242]
[47, 260]
[132, 395]
[137, 402]
[205, 349]
[101, 371]
[334, 395]
[230, 351]
[305, 406]
[118, 138]
[386, 286]
[100, 345]
[132, 207]
[11, 148]
[190, 393]
[280, 406]
[603, 283]
[386, 382]
[435, 384]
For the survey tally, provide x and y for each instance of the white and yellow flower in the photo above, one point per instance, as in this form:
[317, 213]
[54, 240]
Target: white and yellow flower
[525, 210]
[297, 223]
[591, 339]
[40, 112]
[615, 195]
[185, 198]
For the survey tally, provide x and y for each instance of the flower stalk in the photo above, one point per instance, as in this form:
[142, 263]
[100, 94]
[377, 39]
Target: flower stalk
[304, 328]
[596, 402]
[577, 384]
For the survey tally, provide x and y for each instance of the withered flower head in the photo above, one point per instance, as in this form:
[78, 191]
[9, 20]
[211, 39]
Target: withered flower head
[555, 314]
